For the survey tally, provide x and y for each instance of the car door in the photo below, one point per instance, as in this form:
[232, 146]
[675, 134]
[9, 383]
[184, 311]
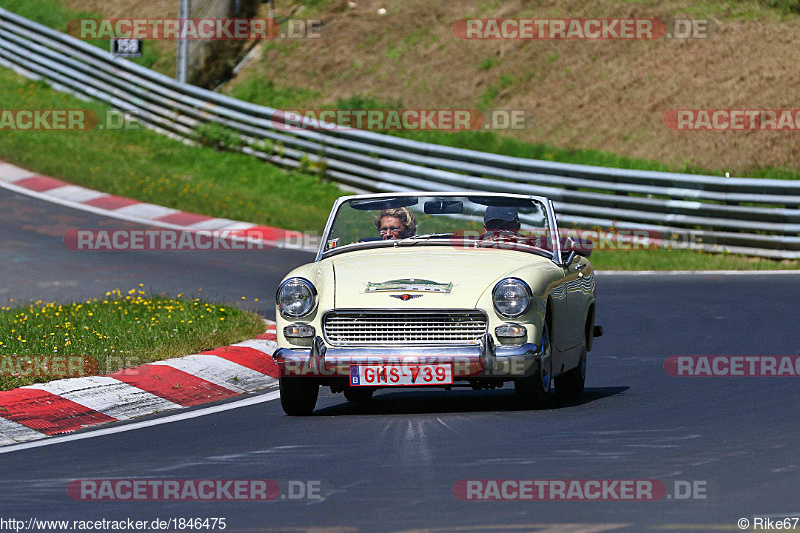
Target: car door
[576, 284]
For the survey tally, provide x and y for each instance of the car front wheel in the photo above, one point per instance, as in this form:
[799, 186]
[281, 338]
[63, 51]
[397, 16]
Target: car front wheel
[298, 395]
[534, 391]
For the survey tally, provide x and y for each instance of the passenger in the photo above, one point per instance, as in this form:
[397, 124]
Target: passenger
[396, 223]
[498, 218]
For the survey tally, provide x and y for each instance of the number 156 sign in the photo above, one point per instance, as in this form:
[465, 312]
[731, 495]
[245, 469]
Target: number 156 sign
[126, 47]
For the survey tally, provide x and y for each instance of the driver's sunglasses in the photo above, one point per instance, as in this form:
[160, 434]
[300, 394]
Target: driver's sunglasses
[391, 229]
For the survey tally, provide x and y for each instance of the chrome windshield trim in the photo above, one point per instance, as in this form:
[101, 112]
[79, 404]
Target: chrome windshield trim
[335, 209]
[545, 202]
[371, 245]
[554, 235]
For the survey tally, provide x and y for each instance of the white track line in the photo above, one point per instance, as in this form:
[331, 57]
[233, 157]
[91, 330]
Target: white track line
[263, 398]
[695, 272]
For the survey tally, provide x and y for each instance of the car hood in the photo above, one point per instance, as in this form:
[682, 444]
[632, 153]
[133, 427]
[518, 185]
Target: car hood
[431, 277]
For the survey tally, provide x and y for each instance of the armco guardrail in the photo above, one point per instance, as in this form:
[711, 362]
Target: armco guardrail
[752, 216]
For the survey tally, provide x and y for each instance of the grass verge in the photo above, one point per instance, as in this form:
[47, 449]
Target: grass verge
[98, 337]
[683, 260]
[150, 167]
[52, 14]
[153, 168]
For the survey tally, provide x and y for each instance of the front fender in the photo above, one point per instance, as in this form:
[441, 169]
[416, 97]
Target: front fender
[322, 276]
[546, 281]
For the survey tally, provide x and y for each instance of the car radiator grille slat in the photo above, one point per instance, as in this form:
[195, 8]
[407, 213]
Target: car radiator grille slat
[379, 327]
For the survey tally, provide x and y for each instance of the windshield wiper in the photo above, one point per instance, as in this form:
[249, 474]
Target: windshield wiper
[414, 239]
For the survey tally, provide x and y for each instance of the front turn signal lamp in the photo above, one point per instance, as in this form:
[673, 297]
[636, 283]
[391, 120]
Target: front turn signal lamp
[299, 331]
[510, 331]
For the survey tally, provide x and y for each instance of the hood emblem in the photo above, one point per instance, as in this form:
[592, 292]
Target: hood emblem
[405, 297]
[410, 285]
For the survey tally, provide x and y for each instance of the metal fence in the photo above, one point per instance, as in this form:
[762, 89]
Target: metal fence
[759, 217]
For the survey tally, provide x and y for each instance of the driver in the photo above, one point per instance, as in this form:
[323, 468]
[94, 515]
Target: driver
[396, 223]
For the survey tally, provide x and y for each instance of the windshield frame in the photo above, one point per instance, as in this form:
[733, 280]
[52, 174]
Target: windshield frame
[545, 202]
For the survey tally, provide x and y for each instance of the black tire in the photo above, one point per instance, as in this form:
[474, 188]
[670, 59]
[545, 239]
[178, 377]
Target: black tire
[533, 391]
[298, 395]
[358, 394]
[570, 384]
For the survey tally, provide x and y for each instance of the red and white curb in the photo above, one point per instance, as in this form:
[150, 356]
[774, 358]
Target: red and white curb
[60, 192]
[63, 406]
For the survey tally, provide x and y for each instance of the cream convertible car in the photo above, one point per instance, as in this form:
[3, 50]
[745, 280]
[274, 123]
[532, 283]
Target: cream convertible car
[437, 290]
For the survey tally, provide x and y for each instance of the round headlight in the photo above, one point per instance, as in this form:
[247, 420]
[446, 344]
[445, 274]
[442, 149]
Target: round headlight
[296, 297]
[512, 297]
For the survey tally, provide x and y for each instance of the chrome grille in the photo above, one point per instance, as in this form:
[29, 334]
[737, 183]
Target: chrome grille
[367, 327]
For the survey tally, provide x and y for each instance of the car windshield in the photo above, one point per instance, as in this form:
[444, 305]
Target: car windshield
[464, 221]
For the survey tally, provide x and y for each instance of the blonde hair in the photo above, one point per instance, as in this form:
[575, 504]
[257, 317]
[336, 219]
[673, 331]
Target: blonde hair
[406, 217]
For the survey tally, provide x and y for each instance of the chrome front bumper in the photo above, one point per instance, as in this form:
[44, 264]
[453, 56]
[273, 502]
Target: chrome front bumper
[470, 361]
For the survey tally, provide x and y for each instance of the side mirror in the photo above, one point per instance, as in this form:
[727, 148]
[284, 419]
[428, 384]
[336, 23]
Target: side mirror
[571, 247]
[570, 257]
[584, 247]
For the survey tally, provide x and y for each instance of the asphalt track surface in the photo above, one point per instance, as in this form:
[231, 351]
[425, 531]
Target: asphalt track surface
[391, 465]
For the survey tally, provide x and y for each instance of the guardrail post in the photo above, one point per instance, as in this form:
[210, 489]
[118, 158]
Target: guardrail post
[183, 45]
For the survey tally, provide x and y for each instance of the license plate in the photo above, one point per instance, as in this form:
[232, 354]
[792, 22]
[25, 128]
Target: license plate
[400, 375]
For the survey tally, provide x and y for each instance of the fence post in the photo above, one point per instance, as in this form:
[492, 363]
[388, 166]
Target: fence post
[183, 45]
